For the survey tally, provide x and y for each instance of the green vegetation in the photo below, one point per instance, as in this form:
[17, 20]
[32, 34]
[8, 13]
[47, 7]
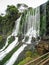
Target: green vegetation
[44, 20]
[25, 54]
[47, 18]
[7, 21]
[2, 41]
[33, 54]
[1, 38]
[25, 61]
[11, 39]
[29, 55]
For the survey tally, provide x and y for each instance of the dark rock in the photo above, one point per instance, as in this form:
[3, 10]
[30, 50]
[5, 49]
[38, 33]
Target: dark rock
[33, 40]
[20, 37]
[26, 38]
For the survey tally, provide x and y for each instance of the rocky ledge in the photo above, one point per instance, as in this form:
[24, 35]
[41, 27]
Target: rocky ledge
[43, 45]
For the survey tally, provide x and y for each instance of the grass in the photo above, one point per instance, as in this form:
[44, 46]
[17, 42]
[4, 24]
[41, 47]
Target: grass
[26, 60]
[29, 58]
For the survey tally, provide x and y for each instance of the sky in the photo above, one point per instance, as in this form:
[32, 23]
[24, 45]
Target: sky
[30, 3]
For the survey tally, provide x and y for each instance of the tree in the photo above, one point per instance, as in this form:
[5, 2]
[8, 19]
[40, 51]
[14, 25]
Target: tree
[12, 12]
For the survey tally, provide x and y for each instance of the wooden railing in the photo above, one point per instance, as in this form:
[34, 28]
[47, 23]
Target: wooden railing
[39, 60]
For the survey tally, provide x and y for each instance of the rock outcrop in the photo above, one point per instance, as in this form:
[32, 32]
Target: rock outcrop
[43, 46]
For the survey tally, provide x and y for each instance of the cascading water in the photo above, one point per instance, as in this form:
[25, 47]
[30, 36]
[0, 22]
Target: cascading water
[30, 25]
[14, 43]
[14, 33]
[16, 29]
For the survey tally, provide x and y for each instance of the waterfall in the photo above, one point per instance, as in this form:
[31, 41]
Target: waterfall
[14, 43]
[31, 23]
[16, 29]
[37, 21]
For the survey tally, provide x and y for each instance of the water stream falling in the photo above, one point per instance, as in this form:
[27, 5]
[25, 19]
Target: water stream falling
[31, 23]
[14, 43]
[14, 33]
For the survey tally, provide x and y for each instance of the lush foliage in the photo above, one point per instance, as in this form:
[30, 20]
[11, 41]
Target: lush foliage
[44, 20]
[8, 20]
[47, 18]
[11, 39]
[2, 41]
[25, 61]
[28, 54]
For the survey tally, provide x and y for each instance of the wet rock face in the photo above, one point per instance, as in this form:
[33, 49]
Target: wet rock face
[20, 37]
[43, 47]
[26, 38]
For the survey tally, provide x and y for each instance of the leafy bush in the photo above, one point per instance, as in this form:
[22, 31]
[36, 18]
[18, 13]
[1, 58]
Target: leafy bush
[1, 38]
[7, 21]
[2, 41]
[25, 61]
[28, 54]
[11, 39]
